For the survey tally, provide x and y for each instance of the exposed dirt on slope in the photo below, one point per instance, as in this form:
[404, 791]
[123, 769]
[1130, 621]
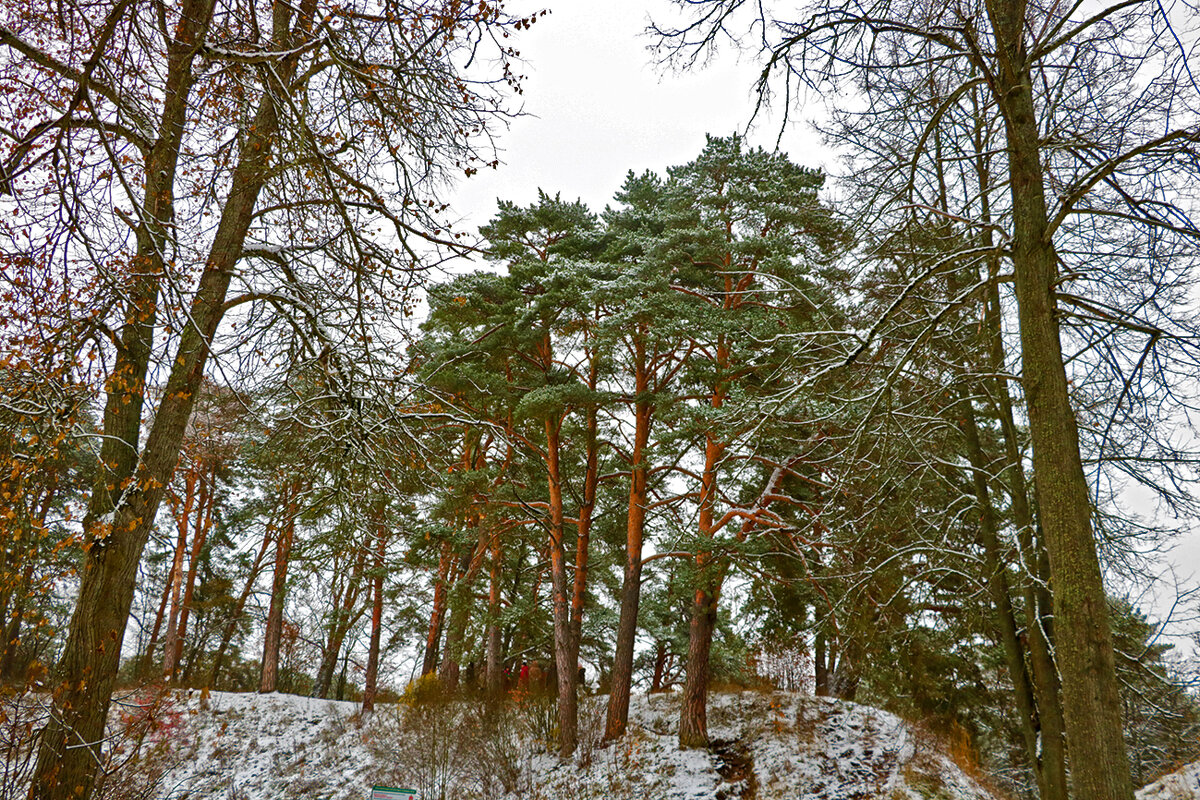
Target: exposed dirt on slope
[735, 763]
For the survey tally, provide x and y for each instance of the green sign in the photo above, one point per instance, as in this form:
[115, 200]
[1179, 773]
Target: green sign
[390, 793]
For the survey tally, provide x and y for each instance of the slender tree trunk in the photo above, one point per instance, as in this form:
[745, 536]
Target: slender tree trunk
[371, 679]
[148, 656]
[997, 583]
[346, 613]
[495, 666]
[183, 513]
[617, 718]
[204, 520]
[236, 614]
[269, 678]
[1035, 594]
[12, 631]
[429, 664]
[660, 665]
[460, 612]
[1091, 700]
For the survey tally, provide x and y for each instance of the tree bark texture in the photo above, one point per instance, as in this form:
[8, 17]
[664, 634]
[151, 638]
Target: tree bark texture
[617, 718]
[269, 678]
[1083, 642]
[126, 498]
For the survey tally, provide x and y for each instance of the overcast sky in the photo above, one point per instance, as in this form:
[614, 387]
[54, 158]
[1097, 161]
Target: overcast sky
[598, 106]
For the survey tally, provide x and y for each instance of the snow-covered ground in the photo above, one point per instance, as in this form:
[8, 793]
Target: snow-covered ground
[766, 745]
[1181, 785]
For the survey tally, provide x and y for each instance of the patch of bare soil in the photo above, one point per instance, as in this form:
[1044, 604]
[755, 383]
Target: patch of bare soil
[735, 764]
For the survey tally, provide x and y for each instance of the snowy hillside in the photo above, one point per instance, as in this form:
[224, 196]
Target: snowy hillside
[1181, 785]
[768, 746]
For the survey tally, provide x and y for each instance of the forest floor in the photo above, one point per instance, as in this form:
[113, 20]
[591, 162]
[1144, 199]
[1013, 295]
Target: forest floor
[766, 746]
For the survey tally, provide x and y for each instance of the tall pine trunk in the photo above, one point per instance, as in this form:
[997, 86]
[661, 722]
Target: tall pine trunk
[429, 663]
[693, 714]
[568, 708]
[617, 718]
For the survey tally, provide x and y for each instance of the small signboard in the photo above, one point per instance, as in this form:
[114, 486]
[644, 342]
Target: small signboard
[390, 793]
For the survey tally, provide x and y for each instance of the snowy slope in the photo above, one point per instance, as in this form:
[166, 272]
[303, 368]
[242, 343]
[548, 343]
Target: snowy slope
[1181, 785]
[254, 747]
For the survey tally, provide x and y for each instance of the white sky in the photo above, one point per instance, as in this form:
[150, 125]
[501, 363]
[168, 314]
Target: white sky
[598, 106]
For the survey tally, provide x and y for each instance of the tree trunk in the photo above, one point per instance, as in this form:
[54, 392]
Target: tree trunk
[997, 582]
[460, 612]
[429, 664]
[204, 521]
[1035, 594]
[1091, 701]
[236, 614]
[820, 669]
[1047, 694]
[495, 666]
[148, 656]
[371, 678]
[345, 616]
[116, 527]
[568, 708]
[693, 719]
[269, 678]
[12, 631]
[617, 718]
[183, 513]
[660, 665]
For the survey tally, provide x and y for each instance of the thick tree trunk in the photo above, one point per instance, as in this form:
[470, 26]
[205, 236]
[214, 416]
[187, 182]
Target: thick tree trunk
[127, 496]
[693, 719]
[617, 718]
[1091, 701]
[456, 630]
[568, 701]
[820, 669]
